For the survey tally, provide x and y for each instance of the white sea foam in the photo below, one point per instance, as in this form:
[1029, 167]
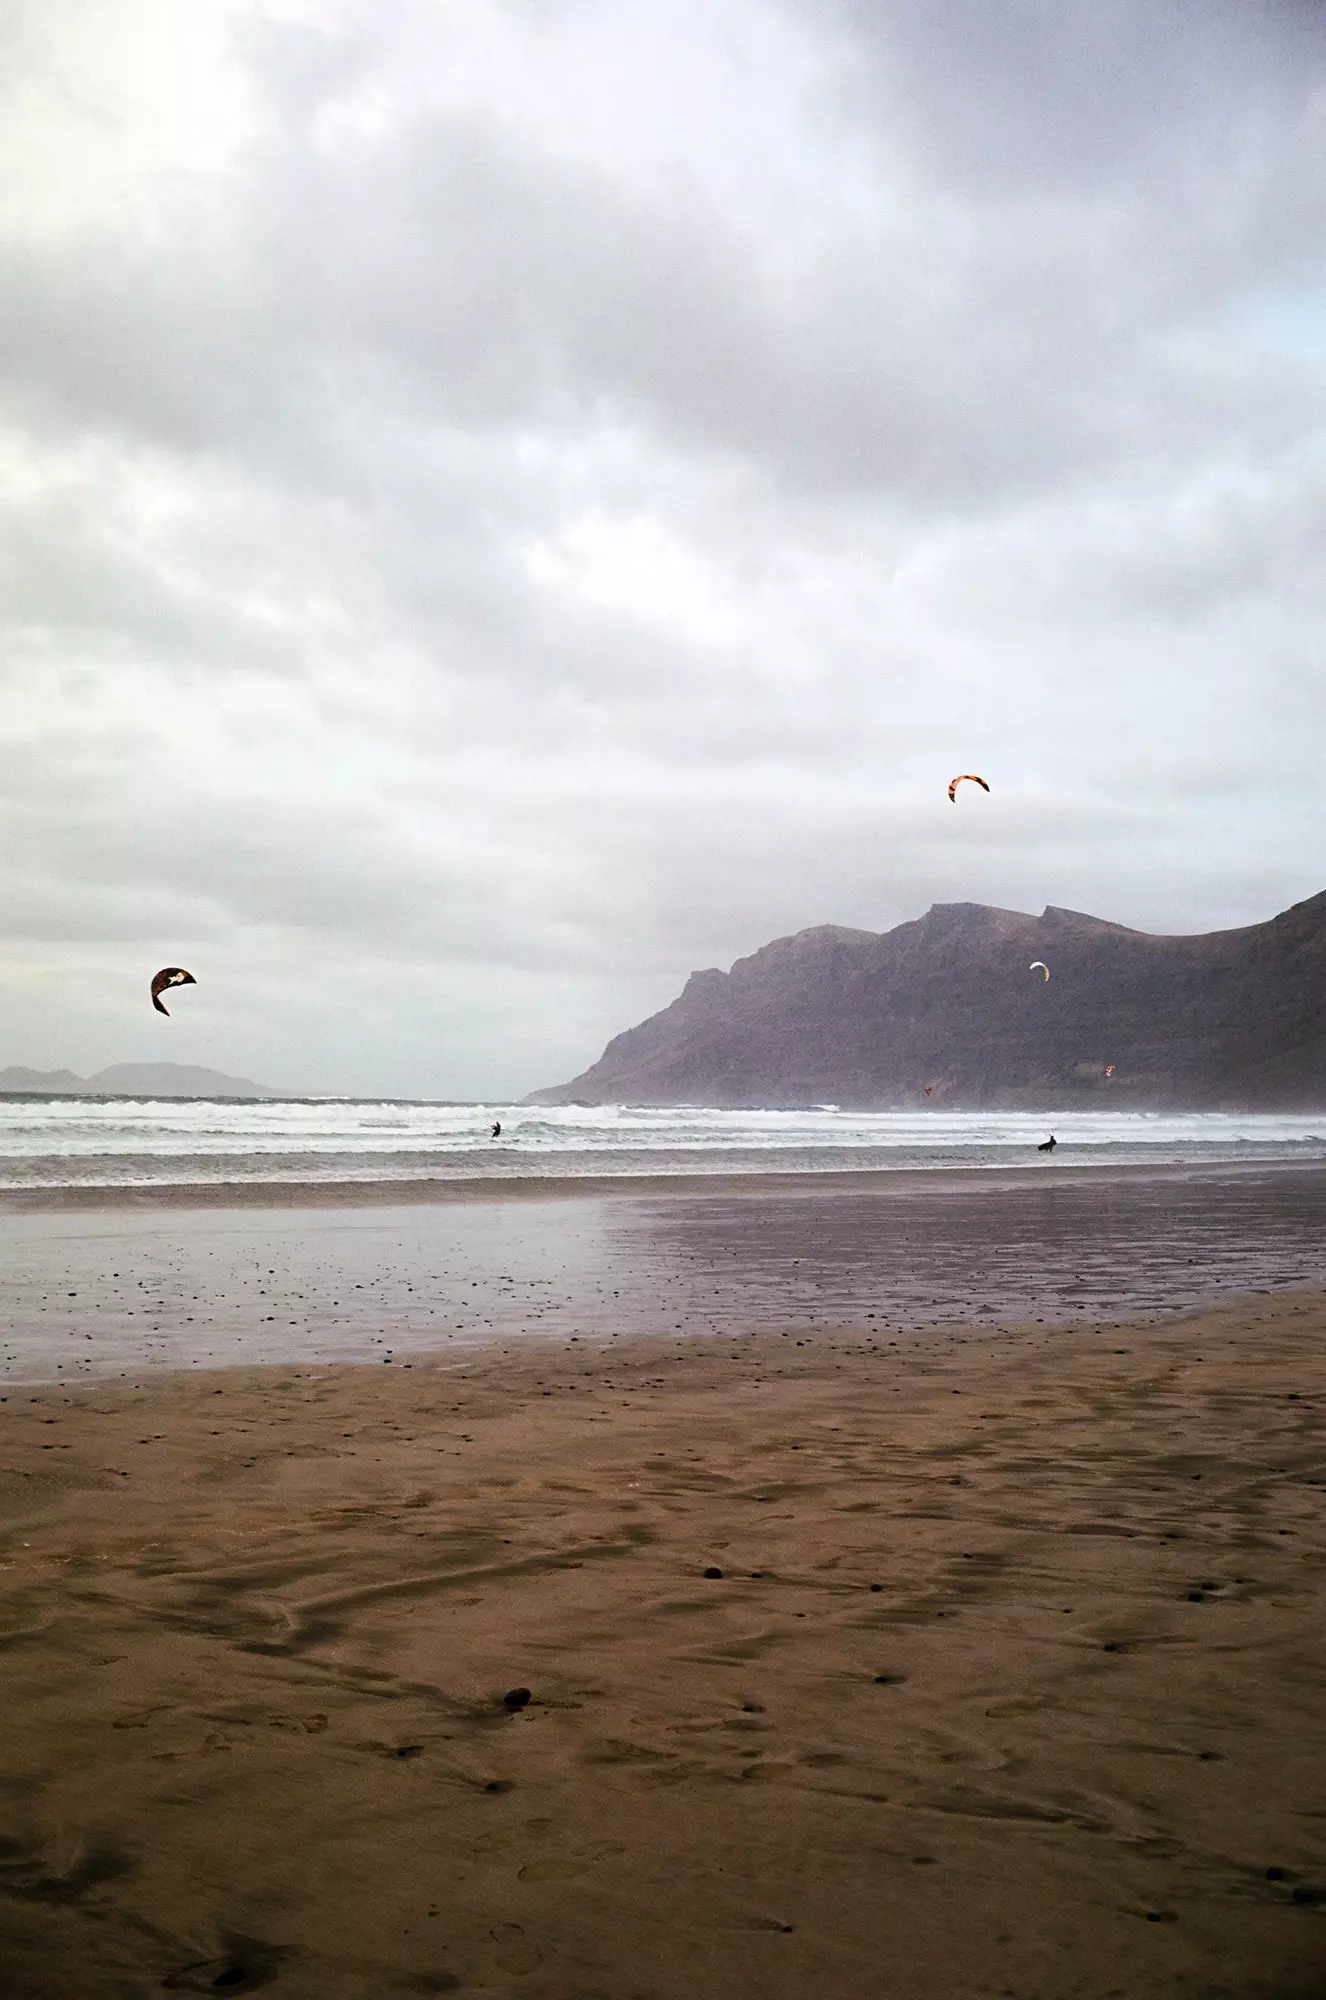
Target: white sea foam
[75, 1140]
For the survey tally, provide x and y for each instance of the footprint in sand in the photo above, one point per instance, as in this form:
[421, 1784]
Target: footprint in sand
[515, 1952]
[243, 1967]
[552, 1870]
[562, 1867]
[28, 1869]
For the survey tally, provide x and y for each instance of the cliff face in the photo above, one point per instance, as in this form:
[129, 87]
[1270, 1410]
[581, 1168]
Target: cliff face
[1232, 1020]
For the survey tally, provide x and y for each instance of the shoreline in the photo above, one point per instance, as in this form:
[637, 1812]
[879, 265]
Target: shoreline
[444, 1189]
[984, 1658]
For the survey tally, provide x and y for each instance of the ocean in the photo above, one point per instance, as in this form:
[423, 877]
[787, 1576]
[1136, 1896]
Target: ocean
[92, 1142]
[813, 1219]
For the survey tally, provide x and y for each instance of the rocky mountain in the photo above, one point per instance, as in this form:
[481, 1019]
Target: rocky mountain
[1230, 1020]
[156, 1079]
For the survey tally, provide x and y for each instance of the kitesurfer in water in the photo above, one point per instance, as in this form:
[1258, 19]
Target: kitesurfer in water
[497, 1128]
[1047, 1145]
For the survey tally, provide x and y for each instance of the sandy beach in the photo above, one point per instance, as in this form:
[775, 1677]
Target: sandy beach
[984, 1664]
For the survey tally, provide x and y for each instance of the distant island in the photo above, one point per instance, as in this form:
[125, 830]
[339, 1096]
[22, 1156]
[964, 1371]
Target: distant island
[155, 1079]
[945, 1012]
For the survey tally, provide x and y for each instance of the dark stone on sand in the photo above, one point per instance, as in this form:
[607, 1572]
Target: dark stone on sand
[1196, 1597]
[877, 1586]
[1307, 1895]
[1277, 1874]
[1162, 1917]
[515, 1698]
[212, 1975]
[889, 1680]
[410, 1750]
[712, 1572]
[1113, 1646]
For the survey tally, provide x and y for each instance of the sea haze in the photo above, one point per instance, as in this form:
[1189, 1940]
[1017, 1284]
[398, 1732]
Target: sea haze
[95, 1143]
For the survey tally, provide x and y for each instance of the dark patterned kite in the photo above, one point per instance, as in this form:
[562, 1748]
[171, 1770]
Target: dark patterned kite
[169, 975]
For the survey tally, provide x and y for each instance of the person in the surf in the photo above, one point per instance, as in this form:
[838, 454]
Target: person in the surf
[497, 1128]
[1047, 1145]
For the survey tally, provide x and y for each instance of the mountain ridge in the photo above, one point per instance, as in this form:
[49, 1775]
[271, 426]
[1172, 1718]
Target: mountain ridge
[156, 1079]
[943, 1010]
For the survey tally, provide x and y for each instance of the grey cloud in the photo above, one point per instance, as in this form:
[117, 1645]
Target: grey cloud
[462, 277]
[978, 459]
[1034, 96]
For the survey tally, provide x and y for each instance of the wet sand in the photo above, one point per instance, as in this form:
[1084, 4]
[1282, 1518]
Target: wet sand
[114, 1291]
[972, 1665]
[144, 1186]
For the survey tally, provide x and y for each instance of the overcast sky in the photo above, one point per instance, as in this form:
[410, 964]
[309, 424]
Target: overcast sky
[503, 504]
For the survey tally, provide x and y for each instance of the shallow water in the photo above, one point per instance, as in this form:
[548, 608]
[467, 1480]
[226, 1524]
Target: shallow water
[120, 1291]
[116, 1142]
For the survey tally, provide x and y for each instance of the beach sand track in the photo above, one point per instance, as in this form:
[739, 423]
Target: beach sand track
[1009, 1684]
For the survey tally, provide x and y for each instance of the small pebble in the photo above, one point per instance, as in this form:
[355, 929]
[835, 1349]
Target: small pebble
[711, 1571]
[515, 1697]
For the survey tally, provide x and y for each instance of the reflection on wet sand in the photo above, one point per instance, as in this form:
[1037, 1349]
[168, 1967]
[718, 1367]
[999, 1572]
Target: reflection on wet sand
[924, 1255]
[113, 1291]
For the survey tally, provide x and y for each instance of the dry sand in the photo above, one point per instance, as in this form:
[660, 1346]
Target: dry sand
[1010, 1685]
